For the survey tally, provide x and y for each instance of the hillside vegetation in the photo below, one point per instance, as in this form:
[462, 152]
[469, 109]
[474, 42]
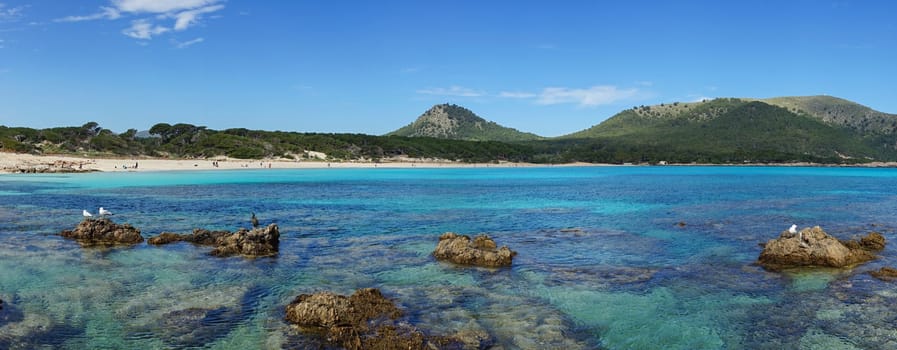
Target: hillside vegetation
[722, 131]
[191, 141]
[818, 129]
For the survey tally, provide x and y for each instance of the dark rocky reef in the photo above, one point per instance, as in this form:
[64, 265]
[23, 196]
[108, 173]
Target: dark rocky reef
[253, 243]
[886, 273]
[479, 251]
[363, 320]
[103, 231]
[814, 247]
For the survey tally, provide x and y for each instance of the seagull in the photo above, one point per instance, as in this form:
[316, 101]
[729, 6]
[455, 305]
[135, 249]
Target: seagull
[86, 214]
[793, 229]
[104, 212]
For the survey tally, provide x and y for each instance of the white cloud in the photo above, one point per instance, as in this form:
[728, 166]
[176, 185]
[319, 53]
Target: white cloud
[516, 94]
[593, 96]
[701, 98]
[143, 29]
[187, 18]
[160, 6]
[188, 43]
[10, 13]
[456, 91]
[105, 13]
[186, 13]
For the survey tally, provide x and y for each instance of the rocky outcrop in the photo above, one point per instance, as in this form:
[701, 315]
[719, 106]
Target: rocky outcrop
[874, 241]
[479, 251]
[885, 274]
[364, 320]
[814, 247]
[103, 231]
[253, 243]
[199, 236]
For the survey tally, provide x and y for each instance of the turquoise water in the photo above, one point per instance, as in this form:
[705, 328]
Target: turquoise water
[602, 262]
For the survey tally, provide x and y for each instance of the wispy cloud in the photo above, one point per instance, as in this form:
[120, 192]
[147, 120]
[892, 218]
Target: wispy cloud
[186, 14]
[456, 91]
[9, 14]
[160, 6]
[105, 13]
[185, 44]
[593, 96]
[698, 98]
[185, 19]
[517, 94]
[144, 29]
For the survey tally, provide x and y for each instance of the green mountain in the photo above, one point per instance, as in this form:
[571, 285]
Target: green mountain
[732, 130]
[448, 121]
[840, 112]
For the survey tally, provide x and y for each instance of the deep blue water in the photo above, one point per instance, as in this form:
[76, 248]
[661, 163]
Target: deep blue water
[602, 260]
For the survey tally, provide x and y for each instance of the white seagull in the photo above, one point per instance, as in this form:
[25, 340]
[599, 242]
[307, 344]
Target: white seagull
[793, 228]
[104, 212]
[86, 214]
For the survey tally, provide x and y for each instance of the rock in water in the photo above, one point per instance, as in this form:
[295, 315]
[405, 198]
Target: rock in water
[817, 249]
[253, 243]
[873, 241]
[364, 320]
[199, 236]
[886, 273]
[103, 231]
[481, 251]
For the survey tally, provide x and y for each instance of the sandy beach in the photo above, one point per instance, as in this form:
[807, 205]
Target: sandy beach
[28, 163]
[17, 163]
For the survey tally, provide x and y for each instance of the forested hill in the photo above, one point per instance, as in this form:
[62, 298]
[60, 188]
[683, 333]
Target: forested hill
[454, 122]
[730, 130]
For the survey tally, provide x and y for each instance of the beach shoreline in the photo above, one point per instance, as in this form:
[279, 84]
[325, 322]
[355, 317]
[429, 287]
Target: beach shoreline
[11, 163]
[28, 163]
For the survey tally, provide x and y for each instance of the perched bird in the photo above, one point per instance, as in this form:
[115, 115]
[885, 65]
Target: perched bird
[86, 214]
[254, 221]
[793, 229]
[104, 212]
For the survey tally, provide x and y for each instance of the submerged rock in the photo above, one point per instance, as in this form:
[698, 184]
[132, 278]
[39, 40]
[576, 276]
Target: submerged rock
[254, 243]
[481, 251]
[103, 231]
[199, 236]
[814, 247]
[364, 320]
[886, 273]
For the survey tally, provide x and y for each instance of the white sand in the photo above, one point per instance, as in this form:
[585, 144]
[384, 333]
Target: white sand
[12, 162]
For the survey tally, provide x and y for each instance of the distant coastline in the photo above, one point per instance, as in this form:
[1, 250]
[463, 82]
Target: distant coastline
[11, 163]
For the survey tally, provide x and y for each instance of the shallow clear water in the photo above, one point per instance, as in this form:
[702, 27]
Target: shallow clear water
[602, 262]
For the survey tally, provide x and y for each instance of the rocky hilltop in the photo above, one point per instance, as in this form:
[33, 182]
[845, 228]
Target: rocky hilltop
[448, 121]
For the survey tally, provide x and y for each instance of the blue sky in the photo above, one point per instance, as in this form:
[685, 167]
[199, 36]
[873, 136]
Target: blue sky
[548, 67]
